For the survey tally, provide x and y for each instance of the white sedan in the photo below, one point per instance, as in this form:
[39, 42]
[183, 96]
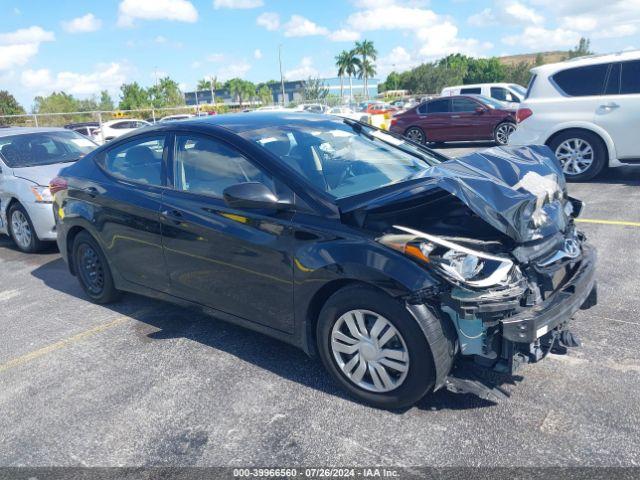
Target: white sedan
[116, 128]
[29, 159]
[346, 112]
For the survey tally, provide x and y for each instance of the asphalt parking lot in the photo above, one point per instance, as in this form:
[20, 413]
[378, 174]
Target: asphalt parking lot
[147, 383]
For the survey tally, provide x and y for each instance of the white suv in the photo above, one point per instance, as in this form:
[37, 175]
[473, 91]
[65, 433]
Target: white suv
[587, 110]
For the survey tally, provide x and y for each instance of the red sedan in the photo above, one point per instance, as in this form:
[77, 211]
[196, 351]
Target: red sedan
[456, 118]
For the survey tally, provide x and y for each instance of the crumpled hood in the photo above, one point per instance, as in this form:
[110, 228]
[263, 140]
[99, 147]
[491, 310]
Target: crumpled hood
[520, 191]
[41, 174]
[517, 190]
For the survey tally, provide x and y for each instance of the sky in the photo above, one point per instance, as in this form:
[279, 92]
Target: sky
[84, 46]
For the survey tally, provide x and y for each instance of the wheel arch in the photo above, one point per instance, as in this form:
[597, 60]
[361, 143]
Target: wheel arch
[71, 236]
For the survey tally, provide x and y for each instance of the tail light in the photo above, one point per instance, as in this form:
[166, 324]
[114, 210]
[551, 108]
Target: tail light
[393, 121]
[58, 184]
[522, 114]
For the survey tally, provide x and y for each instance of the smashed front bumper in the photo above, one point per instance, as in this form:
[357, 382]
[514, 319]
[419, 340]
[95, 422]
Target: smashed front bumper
[578, 291]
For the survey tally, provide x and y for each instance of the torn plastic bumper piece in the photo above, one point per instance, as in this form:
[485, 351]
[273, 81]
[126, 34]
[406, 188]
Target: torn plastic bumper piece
[578, 292]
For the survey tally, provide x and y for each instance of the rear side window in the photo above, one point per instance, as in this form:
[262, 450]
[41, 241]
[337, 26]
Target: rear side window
[630, 77]
[474, 90]
[613, 80]
[138, 161]
[582, 81]
[422, 109]
[438, 106]
[206, 166]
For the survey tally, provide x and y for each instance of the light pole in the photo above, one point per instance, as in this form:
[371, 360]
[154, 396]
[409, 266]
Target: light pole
[281, 77]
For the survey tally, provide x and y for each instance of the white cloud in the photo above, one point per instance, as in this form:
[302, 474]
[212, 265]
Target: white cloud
[540, 38]
[178, 10]
[160, 39]
[86, 23]
[257, 54]
[506, 12]
[103, 77]
[442, 39]
[392, 17]
[304, 70]
[344, 35]
[238, 69]
[239, 4]
[398, 59]
[269, 20]
[215, 57]
[299, 26]
[18, 47]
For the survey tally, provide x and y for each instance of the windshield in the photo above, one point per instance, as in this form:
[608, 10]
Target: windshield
[343, 158]
[520, 90]
[44, 148]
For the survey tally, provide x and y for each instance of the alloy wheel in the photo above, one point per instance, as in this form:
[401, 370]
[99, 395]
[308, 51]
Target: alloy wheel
[503, 132]
[91, 269]
[21, 229]
[576, 156]
[415, 135]
[369, 351]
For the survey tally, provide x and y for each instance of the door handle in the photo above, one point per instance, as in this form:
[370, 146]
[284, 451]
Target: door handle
[455, 116]
[610, 105]
[174, 215]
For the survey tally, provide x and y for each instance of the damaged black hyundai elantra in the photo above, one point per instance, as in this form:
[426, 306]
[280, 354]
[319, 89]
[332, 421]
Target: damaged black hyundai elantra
[395, 264]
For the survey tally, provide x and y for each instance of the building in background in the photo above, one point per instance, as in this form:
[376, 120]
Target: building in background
[292, 91]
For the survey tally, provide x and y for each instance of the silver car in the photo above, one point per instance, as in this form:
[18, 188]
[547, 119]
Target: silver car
[29, 159]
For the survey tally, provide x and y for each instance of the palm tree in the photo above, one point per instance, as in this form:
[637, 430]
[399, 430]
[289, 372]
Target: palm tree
[352, 65]
[366, 50]
[367, 70]
[342, 61]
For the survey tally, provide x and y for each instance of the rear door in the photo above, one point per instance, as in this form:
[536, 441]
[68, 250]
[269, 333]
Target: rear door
[619, 111]
[235, 261]
[127, 208]
[435, 119]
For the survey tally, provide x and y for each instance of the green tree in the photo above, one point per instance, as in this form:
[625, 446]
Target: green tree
[539, 59]
[133, 96]
[368, 52]
[314, 90]
[484, 70]
[393, 82]
[204, 84]
[55, 103]
[582, 49]
[240, 89]
[518, 73]
[166, 94]
[106, 103]
[264, 95]
[9, 105]
[343, 60]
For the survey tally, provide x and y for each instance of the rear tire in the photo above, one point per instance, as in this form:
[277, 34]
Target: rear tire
[21, 230]
[582, 154]
[389, 366]
[93, 270]
[416, 134]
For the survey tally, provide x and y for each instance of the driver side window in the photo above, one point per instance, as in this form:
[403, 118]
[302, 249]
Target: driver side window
[206, 166]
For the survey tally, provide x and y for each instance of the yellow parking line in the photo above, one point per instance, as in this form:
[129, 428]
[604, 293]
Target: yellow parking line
[608, 222]
[61, 344]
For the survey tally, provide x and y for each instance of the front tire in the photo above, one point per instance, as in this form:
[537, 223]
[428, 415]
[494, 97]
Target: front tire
[21, 230]
[93, 270]
[503, 131]
[582, 154]
[374, 348]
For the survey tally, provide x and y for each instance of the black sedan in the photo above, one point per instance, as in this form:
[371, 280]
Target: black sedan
[391, 262]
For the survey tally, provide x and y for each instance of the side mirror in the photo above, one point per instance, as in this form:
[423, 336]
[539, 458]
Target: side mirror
[480, 110]
[252, 195]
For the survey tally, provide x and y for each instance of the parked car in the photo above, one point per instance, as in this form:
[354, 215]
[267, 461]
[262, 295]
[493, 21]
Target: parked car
[587, 111]
[510, 93]
[346, 112]
[116, 128]
[390, 261]
[178, 116]
[83, 128]
[29, 158]
[454, 119]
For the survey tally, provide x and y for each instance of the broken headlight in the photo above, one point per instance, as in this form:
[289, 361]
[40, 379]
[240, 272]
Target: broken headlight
[457, 263]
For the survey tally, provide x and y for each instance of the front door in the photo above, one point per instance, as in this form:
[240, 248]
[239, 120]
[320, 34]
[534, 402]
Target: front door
[235, 261]
[467, 122]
